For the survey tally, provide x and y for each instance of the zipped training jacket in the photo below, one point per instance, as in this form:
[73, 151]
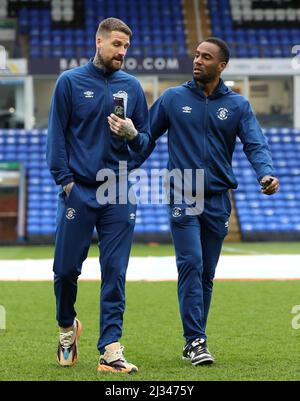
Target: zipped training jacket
[202, 133]
[80, 142]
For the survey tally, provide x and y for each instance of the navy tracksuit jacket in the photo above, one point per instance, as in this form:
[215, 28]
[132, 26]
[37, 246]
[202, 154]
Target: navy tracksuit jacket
[202, 133]
[80, 143]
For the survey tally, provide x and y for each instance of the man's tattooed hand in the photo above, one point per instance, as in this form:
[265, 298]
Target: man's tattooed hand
[122, 128]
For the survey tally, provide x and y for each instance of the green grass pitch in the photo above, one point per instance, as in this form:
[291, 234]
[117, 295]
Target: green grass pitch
[250, 329]
[241, 248]
[250, 333]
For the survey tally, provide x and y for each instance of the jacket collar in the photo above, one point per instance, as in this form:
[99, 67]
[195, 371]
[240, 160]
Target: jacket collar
[99, 72]
[220, 90]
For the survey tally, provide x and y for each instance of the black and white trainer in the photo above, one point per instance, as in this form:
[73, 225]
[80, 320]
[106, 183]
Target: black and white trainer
[197, 352]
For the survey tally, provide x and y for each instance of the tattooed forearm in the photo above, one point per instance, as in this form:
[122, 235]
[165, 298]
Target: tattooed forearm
[123, 128]
[129, 131]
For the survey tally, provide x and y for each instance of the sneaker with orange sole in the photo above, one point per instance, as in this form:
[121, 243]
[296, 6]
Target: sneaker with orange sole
[114, 361]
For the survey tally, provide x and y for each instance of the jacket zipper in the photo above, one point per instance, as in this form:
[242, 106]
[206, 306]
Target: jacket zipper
[107, 113]
[205, 159]
[106, 96]
[205, 129]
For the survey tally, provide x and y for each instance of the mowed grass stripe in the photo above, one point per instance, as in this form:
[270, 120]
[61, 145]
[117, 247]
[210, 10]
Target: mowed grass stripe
[249, 332]
[153, 249]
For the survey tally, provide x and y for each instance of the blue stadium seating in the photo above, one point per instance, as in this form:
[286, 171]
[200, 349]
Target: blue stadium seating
[158, 30]
[281, 212]
[256, 213]
[29, 147]
[158, 27]
[252, 40]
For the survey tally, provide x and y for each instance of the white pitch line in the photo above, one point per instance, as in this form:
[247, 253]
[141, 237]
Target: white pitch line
[249, 267]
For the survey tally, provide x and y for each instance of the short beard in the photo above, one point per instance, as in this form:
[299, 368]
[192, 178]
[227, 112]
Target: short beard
[100, 63]
[203, 81]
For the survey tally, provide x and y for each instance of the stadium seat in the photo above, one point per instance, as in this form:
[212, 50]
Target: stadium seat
[48, 39]
[280, 212]
[228, 19]
[255, 212]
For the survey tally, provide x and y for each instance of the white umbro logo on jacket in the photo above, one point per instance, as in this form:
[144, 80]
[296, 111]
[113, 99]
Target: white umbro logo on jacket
[88, 94]
[186, 109]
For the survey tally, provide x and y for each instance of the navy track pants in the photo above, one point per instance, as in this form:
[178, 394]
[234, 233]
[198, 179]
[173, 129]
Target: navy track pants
[198, 242]
[77, 216]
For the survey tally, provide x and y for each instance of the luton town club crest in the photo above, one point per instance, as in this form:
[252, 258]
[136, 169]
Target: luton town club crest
[71, 213]
[176, 212]
[222, 113]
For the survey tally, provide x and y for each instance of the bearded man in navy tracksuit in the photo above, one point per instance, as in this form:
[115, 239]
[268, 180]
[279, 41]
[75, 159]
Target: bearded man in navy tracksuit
[203, 119]
[85, 137]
